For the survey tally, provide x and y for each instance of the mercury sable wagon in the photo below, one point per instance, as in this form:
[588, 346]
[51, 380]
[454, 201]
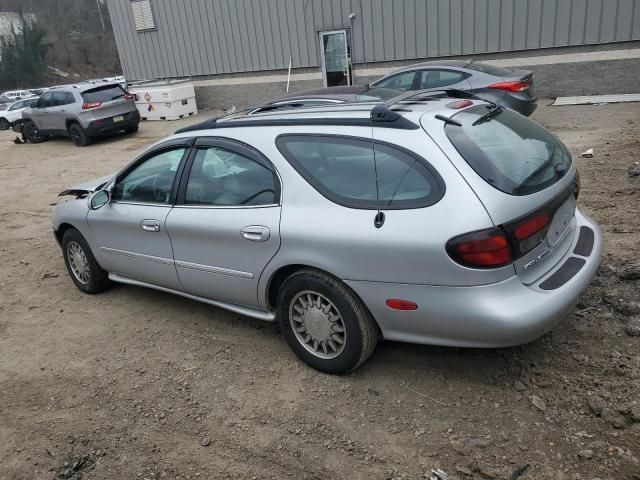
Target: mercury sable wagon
[428, 219]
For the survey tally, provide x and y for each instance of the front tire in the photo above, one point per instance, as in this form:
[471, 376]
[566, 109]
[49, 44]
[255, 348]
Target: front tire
[4, 124]
[79, 136]
[325, 323]
[82, 266]
[31, 133]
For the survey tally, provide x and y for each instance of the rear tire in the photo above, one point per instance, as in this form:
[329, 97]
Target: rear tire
[82, 266]
[4, 124]
[341, 333]
[31, 134]
[78, 135]
[133, 129]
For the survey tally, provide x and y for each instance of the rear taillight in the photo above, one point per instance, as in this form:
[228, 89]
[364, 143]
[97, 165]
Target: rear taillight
[529, 233]
[131, 96]
[89, 105]
[484, 249]
[518, 86]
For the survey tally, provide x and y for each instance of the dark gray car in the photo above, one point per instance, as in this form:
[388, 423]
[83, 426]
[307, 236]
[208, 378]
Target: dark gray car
[327, 96]
[512, 89]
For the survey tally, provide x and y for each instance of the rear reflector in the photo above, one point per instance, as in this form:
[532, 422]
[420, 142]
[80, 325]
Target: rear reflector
[89, 105]
[518, 86]
[397, 304]
[484, 249]
[459, 104]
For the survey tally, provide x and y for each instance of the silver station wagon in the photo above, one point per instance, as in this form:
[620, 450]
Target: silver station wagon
[428, 219]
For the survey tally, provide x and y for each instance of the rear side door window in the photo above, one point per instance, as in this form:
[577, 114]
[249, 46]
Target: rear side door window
[402, 81]
[62, 98]
[343, 169]
[440, 78]
[223, 178]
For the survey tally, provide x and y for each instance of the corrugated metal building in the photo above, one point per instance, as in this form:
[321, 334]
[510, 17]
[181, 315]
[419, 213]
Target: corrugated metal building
[243, 42]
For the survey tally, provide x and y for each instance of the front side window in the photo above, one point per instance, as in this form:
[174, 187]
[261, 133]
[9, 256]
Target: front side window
[344, 170]
[511, 152]
[402, 82]
[219, 177]
[152, 180]
[17, 106]
[45, 100]
[440, 78]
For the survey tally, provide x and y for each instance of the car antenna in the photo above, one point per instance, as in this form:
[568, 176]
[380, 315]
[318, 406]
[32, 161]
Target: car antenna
[378, 220]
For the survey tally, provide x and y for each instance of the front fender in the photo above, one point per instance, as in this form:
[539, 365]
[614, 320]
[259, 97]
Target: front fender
[73, 213]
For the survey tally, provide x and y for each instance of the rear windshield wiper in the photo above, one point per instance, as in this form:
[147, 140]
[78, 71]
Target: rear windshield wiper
[494, 110]
[448, 120]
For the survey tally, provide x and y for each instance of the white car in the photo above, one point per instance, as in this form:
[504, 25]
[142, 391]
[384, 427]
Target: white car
[14, 95]
[14, 112]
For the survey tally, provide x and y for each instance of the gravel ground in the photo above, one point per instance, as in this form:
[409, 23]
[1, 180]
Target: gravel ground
[137, 384]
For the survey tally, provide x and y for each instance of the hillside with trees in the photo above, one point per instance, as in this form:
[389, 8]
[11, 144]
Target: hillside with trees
[69, 36]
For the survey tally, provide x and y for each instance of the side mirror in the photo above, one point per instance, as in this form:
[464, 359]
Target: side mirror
[99, 199]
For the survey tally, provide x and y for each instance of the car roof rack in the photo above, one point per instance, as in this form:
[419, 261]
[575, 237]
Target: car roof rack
[379, 115]
[429, 94]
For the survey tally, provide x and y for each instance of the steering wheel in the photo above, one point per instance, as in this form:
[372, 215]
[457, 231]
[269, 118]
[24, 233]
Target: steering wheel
[247, 200]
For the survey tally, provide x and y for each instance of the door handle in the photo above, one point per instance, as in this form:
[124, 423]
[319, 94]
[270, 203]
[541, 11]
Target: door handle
[150, 225]
[255, 233]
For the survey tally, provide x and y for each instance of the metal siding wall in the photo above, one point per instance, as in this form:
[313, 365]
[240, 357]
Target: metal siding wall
[202, 37]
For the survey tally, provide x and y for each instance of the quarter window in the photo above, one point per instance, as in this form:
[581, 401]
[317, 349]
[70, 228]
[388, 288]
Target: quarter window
[401, 81]
[440, 78]
[344, 170]
[219, 177]
[152, 180]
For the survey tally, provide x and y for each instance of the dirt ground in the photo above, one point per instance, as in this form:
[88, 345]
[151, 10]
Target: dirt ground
[138, 384]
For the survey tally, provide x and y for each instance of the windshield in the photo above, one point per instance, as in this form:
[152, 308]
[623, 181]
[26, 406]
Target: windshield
[103, 94]
[511, 152]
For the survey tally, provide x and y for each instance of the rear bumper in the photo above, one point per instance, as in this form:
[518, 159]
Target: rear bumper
[523, 106]
[107, 125]
[498, 315]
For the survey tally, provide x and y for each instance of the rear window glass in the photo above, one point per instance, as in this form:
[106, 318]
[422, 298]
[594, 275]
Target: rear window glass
[343, 170]
[490, 69]
[440, 78]
[511, 152]
[103, 94]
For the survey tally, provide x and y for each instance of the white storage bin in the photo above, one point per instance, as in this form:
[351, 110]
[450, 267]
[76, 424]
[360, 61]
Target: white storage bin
[165, 99]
